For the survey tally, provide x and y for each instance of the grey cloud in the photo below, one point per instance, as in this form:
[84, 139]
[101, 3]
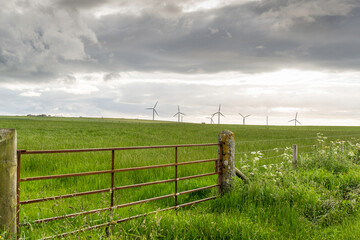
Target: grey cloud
[42, 41]
[112, 76]
[252, 37]
[258, 36]
[81, 4]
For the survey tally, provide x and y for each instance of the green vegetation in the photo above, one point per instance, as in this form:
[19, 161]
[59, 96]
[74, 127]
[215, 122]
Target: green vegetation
[318, 200]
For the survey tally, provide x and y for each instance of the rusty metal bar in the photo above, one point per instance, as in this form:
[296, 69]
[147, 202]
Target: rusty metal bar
[220, 166]
[114, 189]
[106, 224]
[112, 171]
[111, 192]
[196, 189]
[65, 196]
[197, 176]
[127, 219]
[194, 202]
[144, 184]
[112, 182]
[18, 154]
[101, 209]
[143, 201]
[176, 176]
[116, 149]
[197, 161]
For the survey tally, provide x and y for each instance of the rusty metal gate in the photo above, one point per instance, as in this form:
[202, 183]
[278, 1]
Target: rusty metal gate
[113, 187]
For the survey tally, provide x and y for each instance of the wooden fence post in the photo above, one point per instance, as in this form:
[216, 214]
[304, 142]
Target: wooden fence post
[8, 175]
[226, 165]
[295, 155]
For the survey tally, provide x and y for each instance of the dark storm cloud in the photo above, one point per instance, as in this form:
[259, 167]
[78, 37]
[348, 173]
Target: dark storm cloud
[252, 37]
[58, 38]
[81, 4]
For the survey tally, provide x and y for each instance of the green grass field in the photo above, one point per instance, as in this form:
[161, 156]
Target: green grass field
[319, 200]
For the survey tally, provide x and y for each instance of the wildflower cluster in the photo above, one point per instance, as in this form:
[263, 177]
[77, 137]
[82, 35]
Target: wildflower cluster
[287, 155]
[256, 156]
[272, 171]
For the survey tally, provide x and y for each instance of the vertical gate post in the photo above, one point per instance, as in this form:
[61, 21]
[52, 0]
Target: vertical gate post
[226, 165]
[8, 169]
[295, 155]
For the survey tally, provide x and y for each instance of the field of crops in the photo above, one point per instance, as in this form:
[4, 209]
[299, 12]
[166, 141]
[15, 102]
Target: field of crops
[319, 200]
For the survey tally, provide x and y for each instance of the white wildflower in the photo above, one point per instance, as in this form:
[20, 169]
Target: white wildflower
[351, 154]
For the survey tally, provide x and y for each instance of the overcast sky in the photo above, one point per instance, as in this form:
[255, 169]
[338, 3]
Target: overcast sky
[116, 58]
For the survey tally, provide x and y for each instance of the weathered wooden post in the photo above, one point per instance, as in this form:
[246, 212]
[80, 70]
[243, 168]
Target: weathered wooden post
[226, 165]
[295, 155]
[8, 169]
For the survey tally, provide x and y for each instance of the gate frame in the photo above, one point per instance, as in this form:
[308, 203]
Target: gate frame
[224, 168]
[112, 189]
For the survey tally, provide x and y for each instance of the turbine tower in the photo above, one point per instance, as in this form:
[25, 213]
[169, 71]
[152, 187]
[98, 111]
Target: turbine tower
[218, 113]
[211, 119]
[244, 117]
[154, 110]
[179, 114]
[295, 120]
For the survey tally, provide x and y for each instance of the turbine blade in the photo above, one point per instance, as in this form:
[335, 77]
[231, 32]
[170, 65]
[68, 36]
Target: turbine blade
[178, 108]
[248, 116]
[222, 114]
[149, 108]
[156, 104]
[156, 112]
[292, 120]
[241, 115]
[175, 114]
[299, 122]
[296, 115]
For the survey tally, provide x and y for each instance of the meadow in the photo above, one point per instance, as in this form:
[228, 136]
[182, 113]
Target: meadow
[318, 200]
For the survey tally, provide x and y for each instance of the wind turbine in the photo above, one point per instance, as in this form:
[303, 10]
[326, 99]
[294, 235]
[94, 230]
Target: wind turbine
[218, 113]
[154, 110]
[295, 119]
[211, 119]
[179, 114]
[267, 120]
[244, 117]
